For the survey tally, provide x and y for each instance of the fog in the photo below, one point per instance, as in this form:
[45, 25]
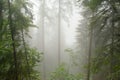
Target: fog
[56, 32]
[59, 40]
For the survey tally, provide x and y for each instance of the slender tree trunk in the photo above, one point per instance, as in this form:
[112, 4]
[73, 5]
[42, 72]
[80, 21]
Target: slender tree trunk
[43, 38]
[1, 18]
[26, 56]
[112, 41]
[1, 8]
[112, 47]
[89, 55]
[59, 33]
[112, 52]
[13, 41]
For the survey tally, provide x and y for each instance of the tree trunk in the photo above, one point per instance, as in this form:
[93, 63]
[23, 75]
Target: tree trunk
[89, 54]
[13, 41]
[26, 56]
[1, 18]
[112, 42]
[59, 33]
[43, 38]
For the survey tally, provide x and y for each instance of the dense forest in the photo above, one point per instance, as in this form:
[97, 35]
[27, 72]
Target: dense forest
[37, 40]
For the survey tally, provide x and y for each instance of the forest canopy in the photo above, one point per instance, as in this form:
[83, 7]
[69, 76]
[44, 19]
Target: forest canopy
[97, 39]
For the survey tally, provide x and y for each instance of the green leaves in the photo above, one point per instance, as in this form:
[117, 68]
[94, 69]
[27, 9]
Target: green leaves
[15, 20]
[105, 22]
[94, 4]
[61, 73]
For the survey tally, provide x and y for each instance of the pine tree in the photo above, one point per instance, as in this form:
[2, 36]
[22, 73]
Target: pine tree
[17, 59]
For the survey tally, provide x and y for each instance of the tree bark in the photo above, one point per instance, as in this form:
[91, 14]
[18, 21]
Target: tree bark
[1, 18]
[89, 54]
[26, 56]
[59, 33]
[13, 40]
[43, 38]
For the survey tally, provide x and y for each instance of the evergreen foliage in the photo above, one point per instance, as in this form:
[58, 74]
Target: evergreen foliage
[61, 73]
[105, 23]
[17, 59]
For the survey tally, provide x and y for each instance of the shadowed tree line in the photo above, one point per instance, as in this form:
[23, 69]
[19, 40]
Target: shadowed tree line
[17, 59]
[104, 26]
